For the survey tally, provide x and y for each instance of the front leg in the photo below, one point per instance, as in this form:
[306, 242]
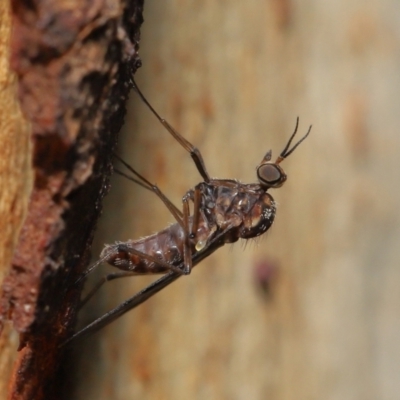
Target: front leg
[187, 249]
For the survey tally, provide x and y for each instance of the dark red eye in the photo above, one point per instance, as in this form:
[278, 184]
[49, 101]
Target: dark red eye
[269, 174]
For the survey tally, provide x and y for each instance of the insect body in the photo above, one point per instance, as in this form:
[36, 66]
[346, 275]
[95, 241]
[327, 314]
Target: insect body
[228, 211]
[223, 211]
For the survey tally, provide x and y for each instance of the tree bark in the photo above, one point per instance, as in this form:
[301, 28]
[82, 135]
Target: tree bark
[72, 61]
[16, 180]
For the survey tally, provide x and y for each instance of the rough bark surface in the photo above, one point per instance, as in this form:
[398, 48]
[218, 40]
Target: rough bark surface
[72, 60]
[15, 181]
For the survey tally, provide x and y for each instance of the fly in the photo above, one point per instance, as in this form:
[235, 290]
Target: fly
[224, 211]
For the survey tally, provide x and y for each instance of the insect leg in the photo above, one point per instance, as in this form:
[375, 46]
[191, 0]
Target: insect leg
[196, 211]
[114, 249]
[187, 251]
[105, 279]
[127, 305]
[183, 218]
[143, 295]
[92, 267]
[152, 188]
[100, 283]
[194, 195]
[193, 151]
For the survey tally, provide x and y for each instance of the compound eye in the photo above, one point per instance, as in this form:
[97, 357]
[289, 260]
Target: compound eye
[269, 174]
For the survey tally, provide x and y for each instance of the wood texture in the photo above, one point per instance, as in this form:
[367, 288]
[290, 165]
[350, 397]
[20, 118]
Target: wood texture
[232, 77]
[16, 180]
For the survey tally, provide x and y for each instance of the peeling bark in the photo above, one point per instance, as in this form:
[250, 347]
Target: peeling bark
[72, 60]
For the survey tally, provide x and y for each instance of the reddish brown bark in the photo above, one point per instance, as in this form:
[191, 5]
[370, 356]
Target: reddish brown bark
[73, 60]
